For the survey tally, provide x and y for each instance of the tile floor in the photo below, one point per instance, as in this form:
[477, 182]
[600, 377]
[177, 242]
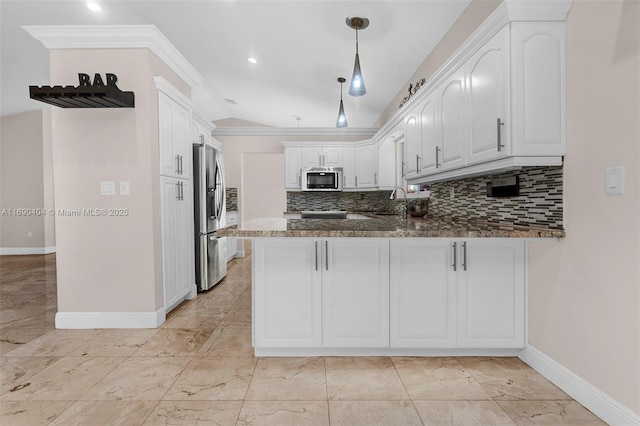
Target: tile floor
[198, 369]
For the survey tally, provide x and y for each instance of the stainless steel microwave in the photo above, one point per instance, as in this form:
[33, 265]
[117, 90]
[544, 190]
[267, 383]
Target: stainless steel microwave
[322, 179]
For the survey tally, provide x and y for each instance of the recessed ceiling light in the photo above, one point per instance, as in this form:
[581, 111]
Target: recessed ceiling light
[93, 6]
[252, 60]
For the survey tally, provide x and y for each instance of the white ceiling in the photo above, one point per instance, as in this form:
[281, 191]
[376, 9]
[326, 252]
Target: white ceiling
[302, 47]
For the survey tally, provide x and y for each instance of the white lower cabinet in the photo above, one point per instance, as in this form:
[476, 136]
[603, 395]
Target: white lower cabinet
[491, 294]
[178, 264]
[457, 293]
[286, 293]
[355, 292]
[423, 294]
[321, 293]
[388, 294]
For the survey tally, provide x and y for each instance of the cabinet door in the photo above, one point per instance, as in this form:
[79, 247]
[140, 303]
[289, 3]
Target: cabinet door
[185, 240]
[332, 157]
[488, 85]
[174, 137]
[355, 292]
[367, 166]
[423, 294]
[311, 157]
[412, 145]
[349, 168]
[430, 142]
[453, 136]
[287, 292]
[491, 294]
[293, 167]
[537, 82]
[168, 199]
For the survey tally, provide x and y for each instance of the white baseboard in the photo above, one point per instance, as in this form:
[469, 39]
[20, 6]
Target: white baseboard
[315, 351]
[82, 320]
[15, 251]
[599, 403]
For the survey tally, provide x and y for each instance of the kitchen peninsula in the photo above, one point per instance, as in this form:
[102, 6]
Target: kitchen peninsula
[383, 286]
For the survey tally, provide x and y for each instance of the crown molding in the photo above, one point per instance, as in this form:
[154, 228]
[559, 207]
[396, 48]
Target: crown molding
[116, 37]
[293, 131]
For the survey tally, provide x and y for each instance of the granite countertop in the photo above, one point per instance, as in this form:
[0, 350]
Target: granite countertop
[385, 226]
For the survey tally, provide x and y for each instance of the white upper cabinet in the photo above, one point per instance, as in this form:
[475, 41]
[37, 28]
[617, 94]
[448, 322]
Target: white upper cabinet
[453, 122]
[501, 107]
[349, 167]
[174, 138]
[366, 166]
[537, 82]
[293, 167]
[319, 156]
[487, 75]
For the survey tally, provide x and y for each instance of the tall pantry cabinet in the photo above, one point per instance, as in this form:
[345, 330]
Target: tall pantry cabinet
[176, 195]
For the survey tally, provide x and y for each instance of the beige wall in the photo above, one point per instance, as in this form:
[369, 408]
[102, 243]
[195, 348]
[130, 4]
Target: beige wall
[476, 13]
[584, 291]
[108, 264]
[25, 182]
[263, 193]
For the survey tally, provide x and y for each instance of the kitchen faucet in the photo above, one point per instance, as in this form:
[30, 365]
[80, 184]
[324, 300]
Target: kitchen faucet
[393, 193]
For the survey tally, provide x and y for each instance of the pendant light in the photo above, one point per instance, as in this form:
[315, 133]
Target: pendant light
[357, 88]
[342, 118]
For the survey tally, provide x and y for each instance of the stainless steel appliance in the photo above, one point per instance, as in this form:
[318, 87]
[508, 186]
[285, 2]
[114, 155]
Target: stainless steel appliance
[209, 215]
[322, 179]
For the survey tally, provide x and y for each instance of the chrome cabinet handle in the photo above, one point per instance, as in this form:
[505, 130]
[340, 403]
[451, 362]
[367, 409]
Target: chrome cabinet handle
[356, 181]
[177, 190]
[417, 163]
[437, 156]
[316, 255]
[177, 164]
[464, 256]
[404, 173]
[375, 178]
[455, 256]
[499, 123]
[344, 181]
[326, 255]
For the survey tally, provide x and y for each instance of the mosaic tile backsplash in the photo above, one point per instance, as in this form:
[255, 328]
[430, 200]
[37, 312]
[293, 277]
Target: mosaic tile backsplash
[231, 195]
[539, 204]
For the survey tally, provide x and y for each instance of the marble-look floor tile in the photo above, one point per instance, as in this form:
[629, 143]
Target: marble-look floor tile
[511, 379]
[11, 338]
[174, 342]
[193, 413]
[462, 413]
[194, 321]
[373, 413]
[228, 341]
[55, 343]
[67, 379]
[138, 379]
[281, 413]
[115, 342]
[15, 371]
[237, 318]
[438, 379]
[288, 379]
[363, 378]
[213, 378]
[550, 413]
[26, 413]
[106, 413]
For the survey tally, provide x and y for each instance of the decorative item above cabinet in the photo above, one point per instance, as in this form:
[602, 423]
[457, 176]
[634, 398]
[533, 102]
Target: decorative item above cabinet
[86, 94]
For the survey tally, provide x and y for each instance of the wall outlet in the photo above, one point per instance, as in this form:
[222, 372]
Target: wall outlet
[29, 234]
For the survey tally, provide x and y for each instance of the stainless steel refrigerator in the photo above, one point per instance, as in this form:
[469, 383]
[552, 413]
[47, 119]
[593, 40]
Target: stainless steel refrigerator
[209, 215]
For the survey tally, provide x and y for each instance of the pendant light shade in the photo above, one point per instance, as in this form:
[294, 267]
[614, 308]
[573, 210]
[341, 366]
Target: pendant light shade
[342, 118]
[357, 87]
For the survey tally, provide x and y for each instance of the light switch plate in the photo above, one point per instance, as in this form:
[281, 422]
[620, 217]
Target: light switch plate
[125, 188]
[107, 188]
[614, 180]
